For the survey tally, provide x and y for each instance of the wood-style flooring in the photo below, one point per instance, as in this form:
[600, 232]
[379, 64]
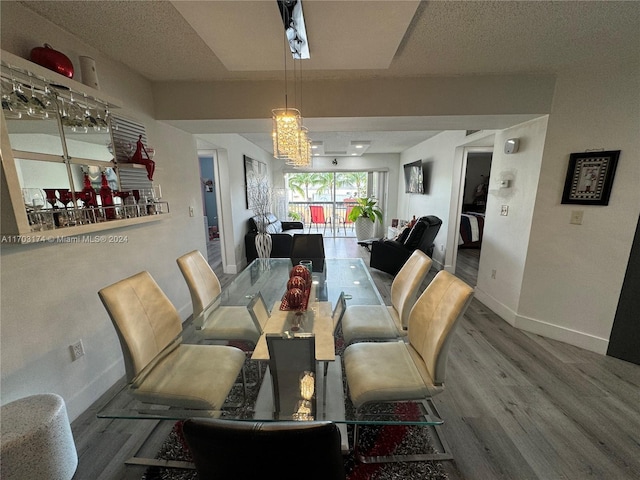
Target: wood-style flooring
[516, 405]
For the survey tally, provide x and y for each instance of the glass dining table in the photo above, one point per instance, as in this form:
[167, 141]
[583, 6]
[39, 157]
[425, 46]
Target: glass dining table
[269, 277]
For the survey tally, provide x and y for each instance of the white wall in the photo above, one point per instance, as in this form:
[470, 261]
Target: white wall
[49, 292]
[506, 238]
[440, 152]
[559, 280]
[574, 273]
[231, 149]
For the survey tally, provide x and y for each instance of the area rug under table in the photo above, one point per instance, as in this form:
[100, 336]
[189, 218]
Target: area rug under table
[375, 440]
[378, 440]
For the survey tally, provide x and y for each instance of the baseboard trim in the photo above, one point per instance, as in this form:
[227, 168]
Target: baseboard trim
[500, 309]
[92, 391]
[563, 334]
[540, 327]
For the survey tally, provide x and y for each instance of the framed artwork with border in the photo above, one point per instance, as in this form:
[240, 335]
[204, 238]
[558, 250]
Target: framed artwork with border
[590, 177]
[254, 171]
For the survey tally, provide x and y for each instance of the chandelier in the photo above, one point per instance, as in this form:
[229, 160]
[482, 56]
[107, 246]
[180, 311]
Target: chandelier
[286, 129]
[290, 139]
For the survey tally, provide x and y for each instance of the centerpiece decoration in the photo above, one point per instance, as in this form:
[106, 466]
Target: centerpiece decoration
[296, 298]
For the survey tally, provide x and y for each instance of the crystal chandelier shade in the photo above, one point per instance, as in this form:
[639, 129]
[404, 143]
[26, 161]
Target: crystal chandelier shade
[286, 127]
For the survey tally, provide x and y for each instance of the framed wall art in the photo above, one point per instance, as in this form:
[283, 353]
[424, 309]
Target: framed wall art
[590, 177]
[255, 173]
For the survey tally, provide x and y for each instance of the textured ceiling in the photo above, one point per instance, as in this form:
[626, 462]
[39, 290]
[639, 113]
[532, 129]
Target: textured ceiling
[442, 38]
[232, 40]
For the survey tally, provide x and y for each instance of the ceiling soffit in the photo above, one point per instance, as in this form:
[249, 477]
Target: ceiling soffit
[339, 28]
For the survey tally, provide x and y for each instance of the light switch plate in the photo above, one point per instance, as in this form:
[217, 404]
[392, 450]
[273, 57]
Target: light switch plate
[576, 217]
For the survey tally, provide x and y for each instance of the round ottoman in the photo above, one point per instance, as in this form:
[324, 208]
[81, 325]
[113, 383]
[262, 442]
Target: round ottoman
[36, 439]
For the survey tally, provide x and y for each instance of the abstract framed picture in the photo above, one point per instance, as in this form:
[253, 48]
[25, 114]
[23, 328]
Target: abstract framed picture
[590, 177]
[254, 171]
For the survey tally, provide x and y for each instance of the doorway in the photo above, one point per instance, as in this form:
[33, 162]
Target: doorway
[472, 214]
[210, 208]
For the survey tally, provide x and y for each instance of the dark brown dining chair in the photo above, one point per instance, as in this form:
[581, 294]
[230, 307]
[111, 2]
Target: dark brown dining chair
[223, 449]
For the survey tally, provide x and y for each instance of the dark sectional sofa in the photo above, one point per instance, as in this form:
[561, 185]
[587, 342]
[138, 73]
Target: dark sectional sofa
[281, 236]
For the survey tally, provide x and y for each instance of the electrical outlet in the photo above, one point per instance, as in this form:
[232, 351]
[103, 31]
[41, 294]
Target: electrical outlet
[504, 211]
[191, 211]
[493, 274]
[77, 350]
[442, 247]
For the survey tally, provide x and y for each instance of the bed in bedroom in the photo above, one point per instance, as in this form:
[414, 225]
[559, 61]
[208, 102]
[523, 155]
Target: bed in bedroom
[471, 228]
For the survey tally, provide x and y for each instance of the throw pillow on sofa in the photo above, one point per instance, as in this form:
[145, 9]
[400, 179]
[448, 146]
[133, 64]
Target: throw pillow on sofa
[415, 235]
[402, 236]
[275, 227]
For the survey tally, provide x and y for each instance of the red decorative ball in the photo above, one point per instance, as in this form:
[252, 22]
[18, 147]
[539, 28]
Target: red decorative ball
[296, 282]
[300, 271]
[295, 297]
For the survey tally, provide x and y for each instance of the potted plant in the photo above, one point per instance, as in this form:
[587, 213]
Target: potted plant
[364, 214]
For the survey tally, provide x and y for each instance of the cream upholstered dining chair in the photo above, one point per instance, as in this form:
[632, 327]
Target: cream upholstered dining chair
[414, 370]
[159, 366]
[375, 322]
[227, 323]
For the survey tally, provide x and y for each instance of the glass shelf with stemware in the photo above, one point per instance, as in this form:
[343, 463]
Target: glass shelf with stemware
[56, 144]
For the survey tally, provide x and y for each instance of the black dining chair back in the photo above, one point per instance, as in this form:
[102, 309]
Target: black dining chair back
[224, 449]
[308, 246]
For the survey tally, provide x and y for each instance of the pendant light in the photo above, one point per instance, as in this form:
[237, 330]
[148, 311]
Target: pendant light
[290, 139]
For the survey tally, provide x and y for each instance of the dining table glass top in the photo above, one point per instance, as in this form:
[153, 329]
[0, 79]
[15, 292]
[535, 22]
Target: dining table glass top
[269, 277]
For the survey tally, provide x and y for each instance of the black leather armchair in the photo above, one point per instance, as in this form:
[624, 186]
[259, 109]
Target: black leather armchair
[390, 255]
[283, 450]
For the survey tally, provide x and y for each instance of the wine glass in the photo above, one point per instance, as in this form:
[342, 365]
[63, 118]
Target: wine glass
[36, 107]
[51, 197]
[34, 201]
[120, 200]
[11, 110]
[131, 208]
[66, 197]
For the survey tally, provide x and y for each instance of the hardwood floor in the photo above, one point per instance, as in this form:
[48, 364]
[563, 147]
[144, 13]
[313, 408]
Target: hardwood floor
[516, 405]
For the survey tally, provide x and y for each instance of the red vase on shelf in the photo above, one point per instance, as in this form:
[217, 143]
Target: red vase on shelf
[106, 195]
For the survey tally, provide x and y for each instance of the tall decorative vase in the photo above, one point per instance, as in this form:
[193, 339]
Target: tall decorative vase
[263, 245]
[365, 228]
